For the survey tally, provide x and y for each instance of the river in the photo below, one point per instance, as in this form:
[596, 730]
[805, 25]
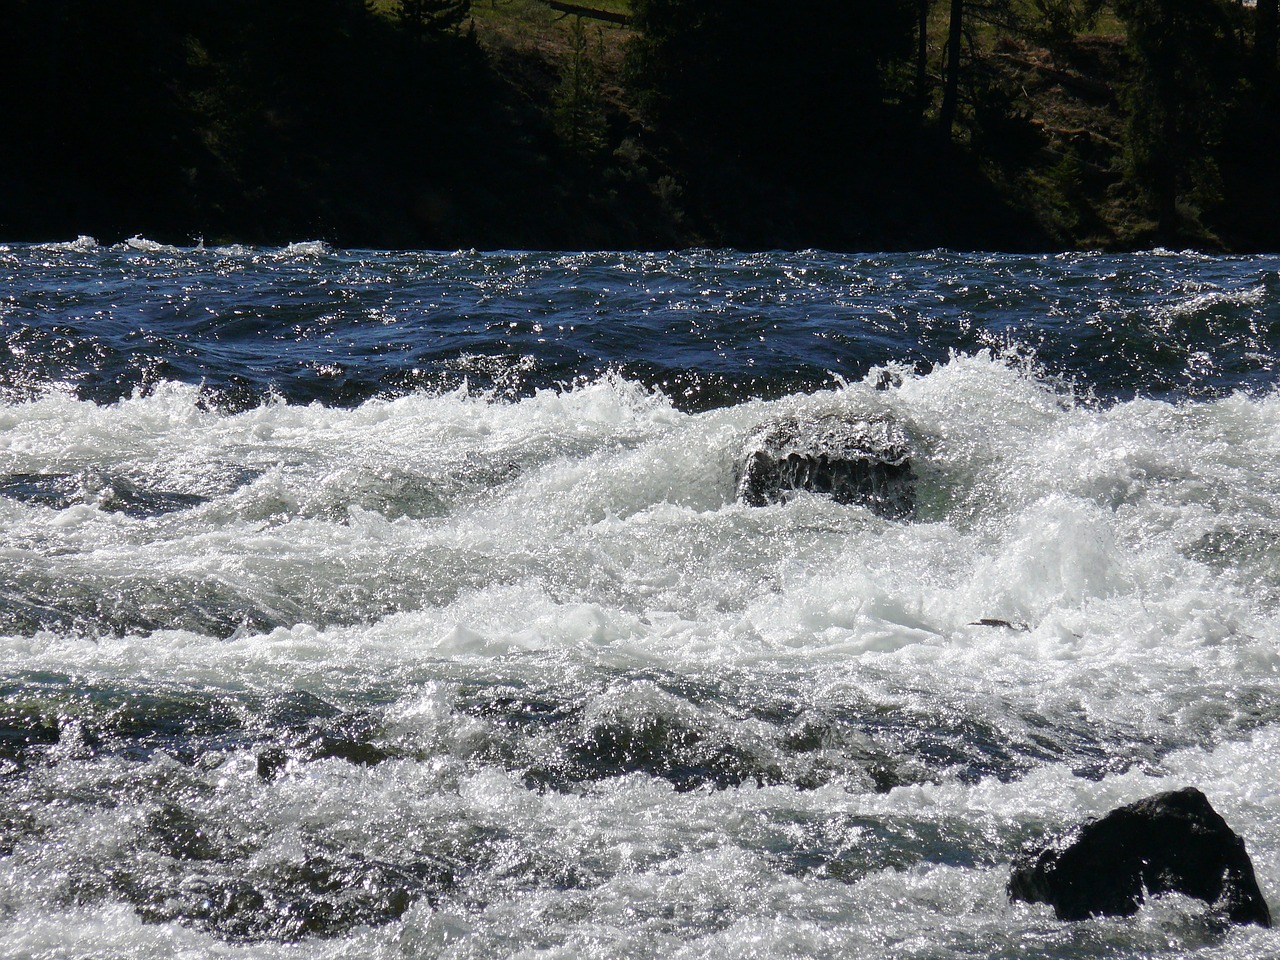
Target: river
[376, 604]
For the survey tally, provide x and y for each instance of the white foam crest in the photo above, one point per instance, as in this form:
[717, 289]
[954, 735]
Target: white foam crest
[298, 528]
[81, 244]
[304, 248]
[233, 250]
[1204, 302]
[615, 541]
[1062, 552]
[143, 245]
[56, 431]
[1187, 254]
[116, 930]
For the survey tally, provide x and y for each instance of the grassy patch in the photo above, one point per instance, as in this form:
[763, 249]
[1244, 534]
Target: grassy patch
[534, 22]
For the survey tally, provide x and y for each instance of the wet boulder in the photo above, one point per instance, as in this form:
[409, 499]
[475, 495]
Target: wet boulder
[1169, 843]
[853, 460]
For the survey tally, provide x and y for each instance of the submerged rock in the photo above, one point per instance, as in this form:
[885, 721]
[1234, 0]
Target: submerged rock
[1171, 842]
[111, 494]
[1002, 624]
[853, 460]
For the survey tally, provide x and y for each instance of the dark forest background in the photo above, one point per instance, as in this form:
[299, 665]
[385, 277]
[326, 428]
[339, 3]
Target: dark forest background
[843, 124]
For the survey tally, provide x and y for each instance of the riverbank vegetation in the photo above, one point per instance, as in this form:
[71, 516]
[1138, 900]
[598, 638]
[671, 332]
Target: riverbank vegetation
[1010, 124]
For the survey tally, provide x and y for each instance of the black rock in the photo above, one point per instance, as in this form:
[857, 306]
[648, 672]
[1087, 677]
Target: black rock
[111, 494]
[1172, 842]
[863, 461]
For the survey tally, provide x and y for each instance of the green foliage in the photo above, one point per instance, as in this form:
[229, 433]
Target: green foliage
[769, 124]
[579, 110]
[1065, 208]
[1060, 21]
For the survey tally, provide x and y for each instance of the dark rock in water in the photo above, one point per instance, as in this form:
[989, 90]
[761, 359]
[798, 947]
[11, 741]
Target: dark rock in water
[888, 379]
[55, 490]
[316, 730]
[1170, 843]
[112, 494]
[864, 461]
[1003, 624]
[274, 759]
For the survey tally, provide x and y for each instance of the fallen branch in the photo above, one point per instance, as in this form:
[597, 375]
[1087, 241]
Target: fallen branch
[573, 10]
[1072, 81]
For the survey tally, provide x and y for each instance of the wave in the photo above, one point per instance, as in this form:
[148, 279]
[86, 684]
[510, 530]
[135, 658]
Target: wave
[1216, 300]
[1100, 529]
[81, 244]
[143, 245]
[305, 248]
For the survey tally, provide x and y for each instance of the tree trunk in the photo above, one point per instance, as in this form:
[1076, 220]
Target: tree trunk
[1166, 177]
[951, 88]
[922, 54]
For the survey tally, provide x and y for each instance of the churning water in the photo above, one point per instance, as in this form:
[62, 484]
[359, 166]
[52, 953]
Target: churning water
[363, 605]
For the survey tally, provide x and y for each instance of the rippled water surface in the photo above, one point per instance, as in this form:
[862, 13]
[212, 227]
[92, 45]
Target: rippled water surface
[366, 604]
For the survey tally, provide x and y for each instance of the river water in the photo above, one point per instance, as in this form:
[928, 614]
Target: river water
[366, 604]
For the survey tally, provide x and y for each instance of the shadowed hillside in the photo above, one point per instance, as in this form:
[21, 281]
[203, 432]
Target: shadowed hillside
[658, 123]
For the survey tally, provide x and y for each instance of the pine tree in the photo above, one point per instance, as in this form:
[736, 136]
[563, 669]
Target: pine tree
[579, 113]
[1185, 70]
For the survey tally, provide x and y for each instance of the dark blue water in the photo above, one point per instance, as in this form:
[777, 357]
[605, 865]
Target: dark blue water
[708, 328]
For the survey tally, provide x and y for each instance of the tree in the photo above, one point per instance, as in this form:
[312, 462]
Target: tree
[809, 80]
[579, 113]
[1060, 21]
[951, 83]
[1186, 61]
[922, 53]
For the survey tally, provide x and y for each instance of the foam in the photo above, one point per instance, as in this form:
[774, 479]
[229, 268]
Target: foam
[561, 590]
[143, 245]
[1214, 299]
[81, 244]
[305, 248]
